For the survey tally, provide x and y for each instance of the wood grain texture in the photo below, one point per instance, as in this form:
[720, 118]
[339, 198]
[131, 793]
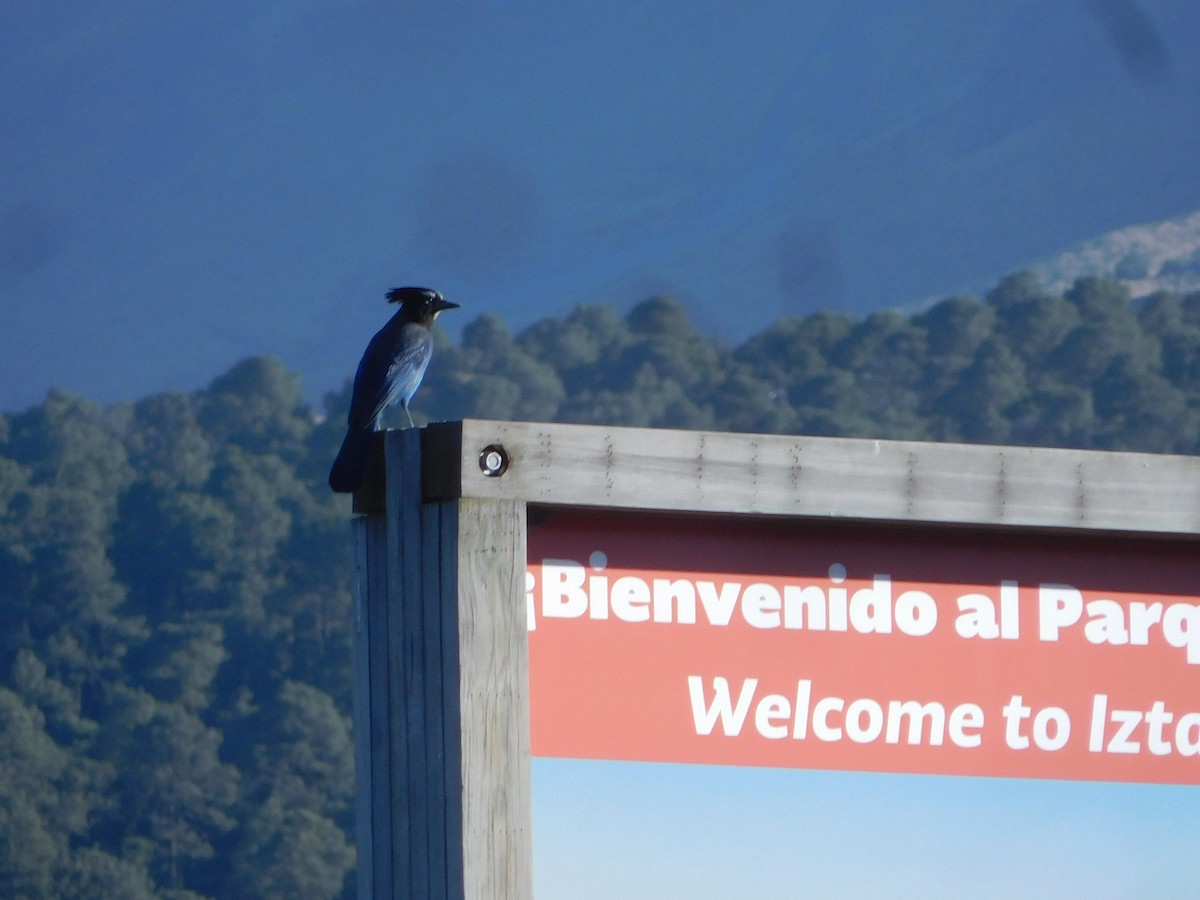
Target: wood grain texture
[843, 478]
[369, 688]
[494, 699]
[441, 682]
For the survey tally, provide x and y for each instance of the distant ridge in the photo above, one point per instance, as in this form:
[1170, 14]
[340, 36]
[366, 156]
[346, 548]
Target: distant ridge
[1161, 256]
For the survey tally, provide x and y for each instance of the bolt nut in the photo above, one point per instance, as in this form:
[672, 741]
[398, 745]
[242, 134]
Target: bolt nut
[493, 461]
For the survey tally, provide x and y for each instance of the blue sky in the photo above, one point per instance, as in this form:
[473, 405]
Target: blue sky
[640, 830]
[184, 185]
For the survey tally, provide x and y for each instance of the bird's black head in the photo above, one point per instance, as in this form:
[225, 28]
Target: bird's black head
[422, 301]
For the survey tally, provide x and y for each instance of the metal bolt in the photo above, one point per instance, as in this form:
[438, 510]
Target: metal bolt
[493, 461]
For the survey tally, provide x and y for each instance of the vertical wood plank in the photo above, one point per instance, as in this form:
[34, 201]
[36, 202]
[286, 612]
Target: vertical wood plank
[494, 698]
[362, 711]
[447, 544]
[406, 662]
[435, 722]
[372, 704]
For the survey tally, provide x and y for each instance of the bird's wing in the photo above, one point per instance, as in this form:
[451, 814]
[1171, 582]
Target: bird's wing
[391, 369]
[405, 374]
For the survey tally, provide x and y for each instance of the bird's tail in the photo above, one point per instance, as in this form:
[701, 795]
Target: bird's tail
[346, 473]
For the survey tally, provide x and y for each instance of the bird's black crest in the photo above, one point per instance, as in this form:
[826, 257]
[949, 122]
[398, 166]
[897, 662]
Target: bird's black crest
[402, 294]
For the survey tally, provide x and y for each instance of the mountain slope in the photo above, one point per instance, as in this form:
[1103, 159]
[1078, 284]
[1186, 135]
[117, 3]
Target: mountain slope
[1149, 257]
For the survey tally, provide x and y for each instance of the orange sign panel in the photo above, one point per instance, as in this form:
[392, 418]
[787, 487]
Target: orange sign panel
[862, 648]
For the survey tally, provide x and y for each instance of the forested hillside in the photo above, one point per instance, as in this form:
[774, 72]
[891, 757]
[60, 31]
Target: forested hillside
[1086, 368]
[175, 574]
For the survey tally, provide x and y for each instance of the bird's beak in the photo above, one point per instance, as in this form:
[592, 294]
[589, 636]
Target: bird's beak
[439, 304]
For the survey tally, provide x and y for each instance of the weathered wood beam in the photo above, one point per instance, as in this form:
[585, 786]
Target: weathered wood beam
[819, 477]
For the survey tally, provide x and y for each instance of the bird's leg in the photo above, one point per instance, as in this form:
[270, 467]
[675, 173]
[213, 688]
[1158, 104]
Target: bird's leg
[404, 406]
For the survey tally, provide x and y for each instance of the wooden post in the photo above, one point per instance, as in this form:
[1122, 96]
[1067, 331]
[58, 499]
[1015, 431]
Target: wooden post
[441, 691]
